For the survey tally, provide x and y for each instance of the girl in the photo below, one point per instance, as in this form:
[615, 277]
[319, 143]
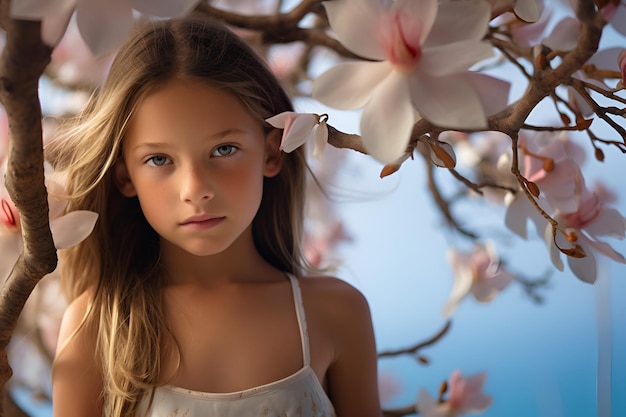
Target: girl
[189, 299]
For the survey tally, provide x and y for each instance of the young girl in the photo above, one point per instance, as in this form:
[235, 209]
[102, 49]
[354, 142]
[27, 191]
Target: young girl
[189, 298]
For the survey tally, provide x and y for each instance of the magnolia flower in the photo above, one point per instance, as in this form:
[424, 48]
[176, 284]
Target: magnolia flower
[423, 51]
[300, 127]
[591, 220]
[67, 230]
[103, 24]
[552, 162]
[465, 396]
[478, 272]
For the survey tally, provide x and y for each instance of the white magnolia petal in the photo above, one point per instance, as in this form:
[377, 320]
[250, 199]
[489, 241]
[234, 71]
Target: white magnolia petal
[10, 248]
[427, 406]
[619, 19]
[459, 20]
[448, 102]
[164, 8]
[454, 57]
[298, 132]
[585, 268]
[606, 250]
[606, 59]
[609, 222]
[527, 10]
[388, 119]
[104, 25]
[460, 289]
[53, 28]
[38, 9]
[516, 215]
[492, 92]
[72, 228]
[564, 36]
[486, 290]
[419, 17]
[280, 120]
[359, 38]
[320, 139]
[477, 401]
[349, 86]
[555, 253]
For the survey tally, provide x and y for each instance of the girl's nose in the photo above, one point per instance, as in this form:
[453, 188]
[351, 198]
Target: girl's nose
[196, 185]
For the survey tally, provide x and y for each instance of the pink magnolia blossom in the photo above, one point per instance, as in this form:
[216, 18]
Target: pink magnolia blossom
[465, 396]
[478, 273]
[67, 229]
[423, 50]
[103, 24]
[552, 162]
[299, 128]
[593, 219]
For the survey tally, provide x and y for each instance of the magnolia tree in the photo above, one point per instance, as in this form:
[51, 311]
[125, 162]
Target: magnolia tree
[420, 71]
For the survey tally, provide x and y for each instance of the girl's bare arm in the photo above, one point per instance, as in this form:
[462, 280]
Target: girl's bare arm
[76, 379]
[352, 376]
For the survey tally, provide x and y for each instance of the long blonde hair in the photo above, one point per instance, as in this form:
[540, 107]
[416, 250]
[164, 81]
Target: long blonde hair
[118, 262]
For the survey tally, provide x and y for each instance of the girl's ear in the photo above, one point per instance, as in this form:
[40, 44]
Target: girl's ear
[273, 154]
[122, 179]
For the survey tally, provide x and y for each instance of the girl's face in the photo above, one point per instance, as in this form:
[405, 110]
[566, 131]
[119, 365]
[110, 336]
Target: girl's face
[195, 158]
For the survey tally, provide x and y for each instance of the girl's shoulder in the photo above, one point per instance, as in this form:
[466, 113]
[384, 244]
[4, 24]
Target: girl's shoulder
[337, 299]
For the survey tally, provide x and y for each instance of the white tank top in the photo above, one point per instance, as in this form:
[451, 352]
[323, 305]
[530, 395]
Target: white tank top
[298, 395]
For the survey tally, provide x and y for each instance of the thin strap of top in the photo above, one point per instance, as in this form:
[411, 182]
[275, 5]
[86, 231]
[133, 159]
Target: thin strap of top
[304, 335]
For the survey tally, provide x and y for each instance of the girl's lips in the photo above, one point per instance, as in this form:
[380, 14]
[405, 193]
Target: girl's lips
[202, 222]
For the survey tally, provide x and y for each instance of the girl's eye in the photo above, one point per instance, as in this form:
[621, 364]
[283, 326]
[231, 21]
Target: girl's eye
[224, 150]
[158, 161]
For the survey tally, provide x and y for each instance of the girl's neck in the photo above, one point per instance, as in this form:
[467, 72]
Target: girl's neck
[239, 263]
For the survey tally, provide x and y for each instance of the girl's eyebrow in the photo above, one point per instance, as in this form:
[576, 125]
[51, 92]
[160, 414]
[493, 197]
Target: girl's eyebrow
[218, 135]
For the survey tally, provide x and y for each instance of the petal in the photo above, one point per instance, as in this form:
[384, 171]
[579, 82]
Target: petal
[349, 85]
[606, 250]
[388, 119]
[72, 228]
[459, 21]
[320, 139]
[297, 128]
[417, 17]
[11, 248]
[164, 8]
[493, 93]
[619, 20]
[427, 406]
[555, 253]
[516, 214]
[487, 289]
[454, 57]
[448, 102]
[104, 25]
[38, 9]
[358, 38]
[564, 36]
[609, 222]
[585, 268]
[606, 58]
[527, 10]
[53, 28]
